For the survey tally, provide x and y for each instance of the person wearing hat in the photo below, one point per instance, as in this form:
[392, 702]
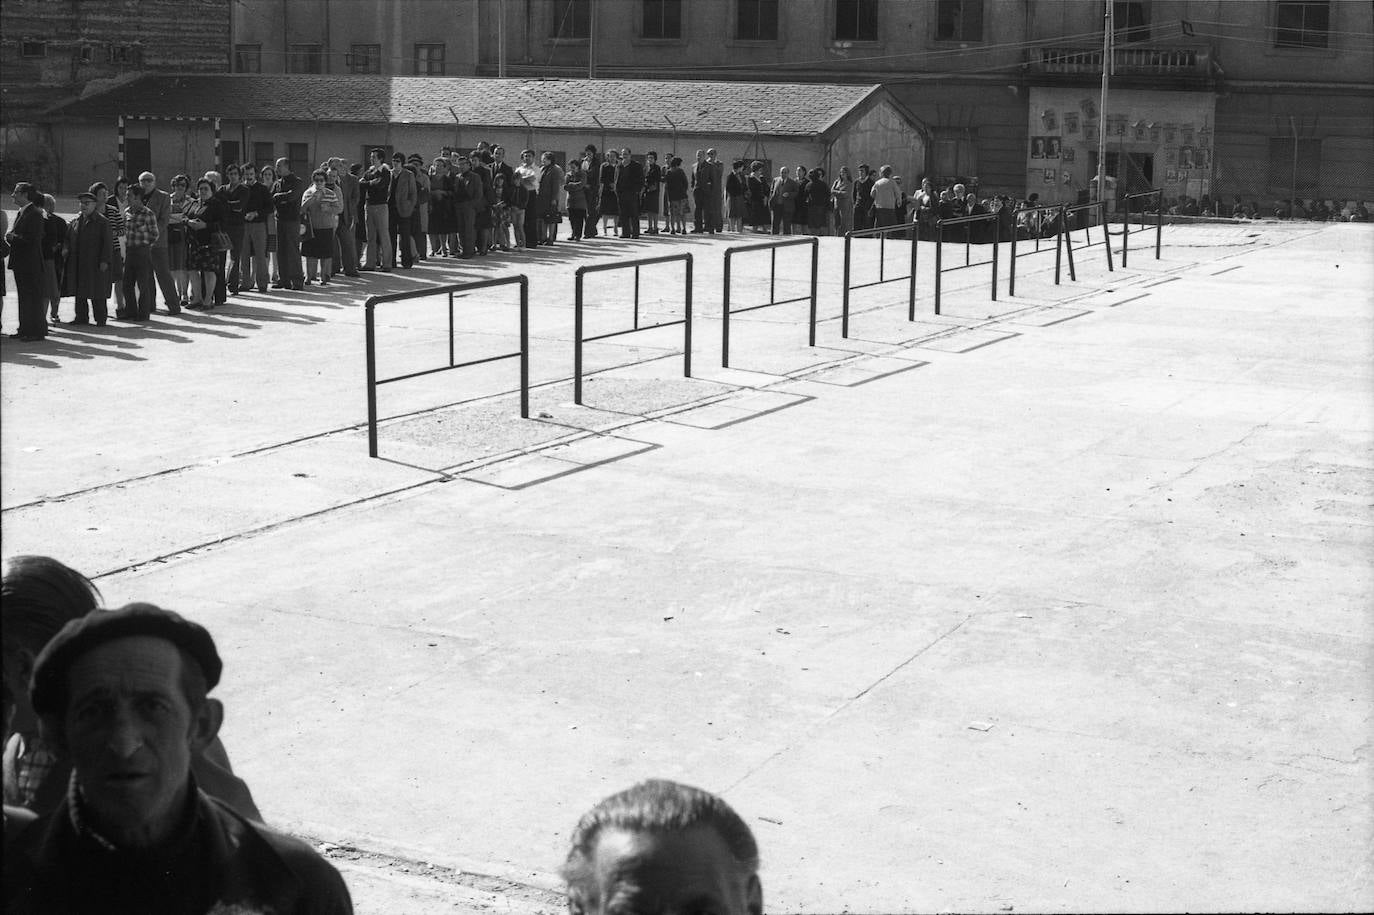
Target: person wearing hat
[90, 248]
[122, 695]
[25, 239]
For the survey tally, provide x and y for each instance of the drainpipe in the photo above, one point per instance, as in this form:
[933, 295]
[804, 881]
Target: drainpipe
[529, 129]
[603, 132]
[674, 126]
[456, 127]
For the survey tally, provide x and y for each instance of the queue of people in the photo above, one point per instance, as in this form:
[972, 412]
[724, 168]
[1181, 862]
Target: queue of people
[120, 798]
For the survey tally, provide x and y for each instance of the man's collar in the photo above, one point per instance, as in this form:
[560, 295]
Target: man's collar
[76, 813]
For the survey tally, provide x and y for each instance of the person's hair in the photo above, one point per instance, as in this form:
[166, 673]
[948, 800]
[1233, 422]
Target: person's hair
[546, 155]
[319, 173]
[526, 152]
[651, 154]
[98, 186]
[736, 165]
[655, 806]
[398, 156]
[675, 162]
[499, 178]
[282, 160]
[233, 169]
[38, 596]
[207, 182]
[378, 152]
[213, 177]
[268, 168]
[118, 181]
[49, 203]
[755, 165]
[590, 147]
[180, 179]
[885, 171]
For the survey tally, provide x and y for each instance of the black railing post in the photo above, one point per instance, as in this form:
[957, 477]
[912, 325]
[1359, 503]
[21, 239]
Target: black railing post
[1159, 221]
[844, 302]
[815, 266]
[577, 339]
[636, 296]
[911, 285]
[687, 326]
[725, 316]
[994, 268]
[1011, 268]
[1058, 247]
[1126, 237]
[1106, 238]
[968, 244]
[772, 273]
[882, 256]
[450, 329]
[371, 379]
[1068, 249]
[524, 347]
[939, 260]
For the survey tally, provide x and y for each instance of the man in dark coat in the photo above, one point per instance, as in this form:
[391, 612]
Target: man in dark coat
[26, 262]
[629, 184]
[89, 251]
[122, 695]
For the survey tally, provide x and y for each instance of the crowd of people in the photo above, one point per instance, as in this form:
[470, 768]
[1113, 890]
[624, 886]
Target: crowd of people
[120, 798]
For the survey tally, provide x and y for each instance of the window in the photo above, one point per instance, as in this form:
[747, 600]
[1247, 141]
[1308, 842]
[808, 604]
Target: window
[138, 155]
[955, 157]
[571, 18]
[247, 58]
[1281, 172]
[756, 20]
[264, 154]
[304, 58]
[959, 20]
[29, 48]
[122, 54]
[1131, 21]
[429, 60]
[1302, 25]
[229, 152]
[298, 157]
[663, 19]
[856, 20]
[364, 58]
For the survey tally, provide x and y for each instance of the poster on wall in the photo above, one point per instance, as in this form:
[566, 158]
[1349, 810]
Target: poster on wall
[1171, 156]
[1170, 133]
[1204, 138]
[1140, 129]
[1071, 122]
[1154, 133]
[1051, 147]
[1049, 175]
[1037, 150]
[1185, 157]
[1066, 177]
[1067, 154]
[1171, 176]
[1048, 119]
[1187, 132]
[1090, 132]
[1201, 157]
[1089, 109]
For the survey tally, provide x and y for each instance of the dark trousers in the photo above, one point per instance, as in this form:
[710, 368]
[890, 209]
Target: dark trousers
[289, 266]
[138, 282]
[404, 251]
[629, 215]
[84, 309]
[467, 229]
[235, 253]
[577, 224]
[863, 217]
[416, 236]
[782, 222]
[162, 269]
[533, 229]
[699, 216]
[33, 317]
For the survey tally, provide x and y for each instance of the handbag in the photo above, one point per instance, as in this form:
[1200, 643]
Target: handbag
[219, 241]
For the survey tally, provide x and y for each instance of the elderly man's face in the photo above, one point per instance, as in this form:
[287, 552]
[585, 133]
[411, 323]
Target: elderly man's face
[681, 873]
[130, 734]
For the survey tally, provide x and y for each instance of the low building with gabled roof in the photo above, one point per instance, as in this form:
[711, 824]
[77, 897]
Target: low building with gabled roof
[170, 121]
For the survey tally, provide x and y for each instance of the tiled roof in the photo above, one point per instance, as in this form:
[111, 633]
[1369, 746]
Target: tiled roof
[786, 109]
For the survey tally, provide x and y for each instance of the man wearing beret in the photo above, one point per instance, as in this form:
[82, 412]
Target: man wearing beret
[122, 695]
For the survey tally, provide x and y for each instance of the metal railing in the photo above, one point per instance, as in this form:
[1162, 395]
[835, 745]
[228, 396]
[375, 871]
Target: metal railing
[686, 320]
[967, 222]
[1035, 215]
[772, 248]
[881, 232]
[1101, 208]
[1158, 195]
[373, 382]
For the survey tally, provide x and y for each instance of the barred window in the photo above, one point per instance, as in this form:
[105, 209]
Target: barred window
[959, 20]
[856, 20]
[756, 20]
[1304, 24]
[663, 19]
[429, 60]
[364, 58]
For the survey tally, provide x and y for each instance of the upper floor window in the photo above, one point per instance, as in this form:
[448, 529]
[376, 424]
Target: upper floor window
[959, 20]
[30, 48]
[1131, 21]
[429, 60]
[756, 20]
[364, 58]
[1301, 23]
[571, 18]
[663, 19]
[304, 58]
[856, 20]
[247, 58]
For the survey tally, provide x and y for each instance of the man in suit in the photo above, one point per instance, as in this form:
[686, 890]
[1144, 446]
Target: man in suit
[26, 262]
[402, 210]
[346, 240]
[286, 198]
[160, 202]
[629, 184]
[704, 188]
[375, 184]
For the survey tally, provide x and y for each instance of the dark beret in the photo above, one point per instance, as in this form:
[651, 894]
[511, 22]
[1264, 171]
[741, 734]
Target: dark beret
[48, 691]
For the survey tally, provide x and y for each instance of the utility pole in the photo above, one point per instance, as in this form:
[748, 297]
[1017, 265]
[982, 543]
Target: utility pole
[591, 40]
[1102, 106]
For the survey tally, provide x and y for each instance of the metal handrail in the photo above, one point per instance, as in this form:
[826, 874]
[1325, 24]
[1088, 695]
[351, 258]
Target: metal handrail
[369, 308]
[1058, 242]
[940, 225]
[881, 232]
[1101, 206]
[686, 320]
[1157, 193]
[772, 247]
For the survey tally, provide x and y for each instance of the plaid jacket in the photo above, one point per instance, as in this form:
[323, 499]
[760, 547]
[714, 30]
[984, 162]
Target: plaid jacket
[140, 227]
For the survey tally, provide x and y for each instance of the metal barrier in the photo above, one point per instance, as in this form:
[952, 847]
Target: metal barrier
[1101, 207]
[1156, 193]
[881, 232]
[1035, 213]
[524, 353]
[686, 321]
[772, 247]
[940, 225]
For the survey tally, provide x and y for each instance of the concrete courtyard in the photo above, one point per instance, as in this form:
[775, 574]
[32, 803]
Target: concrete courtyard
[1054, 603]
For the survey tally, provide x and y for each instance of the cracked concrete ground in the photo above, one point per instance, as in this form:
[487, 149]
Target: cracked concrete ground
[1054, 603]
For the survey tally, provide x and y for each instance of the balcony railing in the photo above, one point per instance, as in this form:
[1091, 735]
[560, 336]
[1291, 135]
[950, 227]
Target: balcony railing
[1135, 60]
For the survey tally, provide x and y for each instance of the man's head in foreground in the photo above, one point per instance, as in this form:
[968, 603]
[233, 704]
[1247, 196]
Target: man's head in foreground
[122, 696]
[661, 848]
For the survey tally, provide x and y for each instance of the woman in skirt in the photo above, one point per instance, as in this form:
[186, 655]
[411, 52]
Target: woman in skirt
[320, 209]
